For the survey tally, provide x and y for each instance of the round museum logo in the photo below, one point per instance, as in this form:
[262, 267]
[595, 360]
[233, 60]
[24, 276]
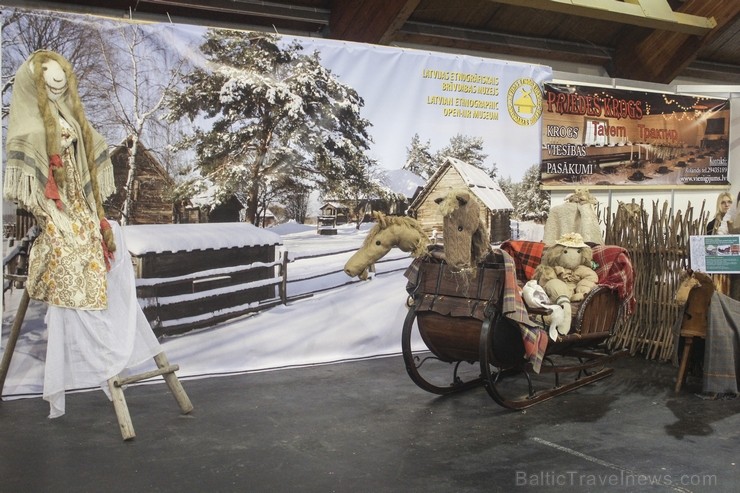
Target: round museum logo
[524, 101]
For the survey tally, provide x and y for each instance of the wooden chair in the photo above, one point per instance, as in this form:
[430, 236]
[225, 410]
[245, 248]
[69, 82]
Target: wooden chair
[695, 291]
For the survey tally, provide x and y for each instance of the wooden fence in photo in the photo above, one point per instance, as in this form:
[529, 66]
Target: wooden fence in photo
[658, 244]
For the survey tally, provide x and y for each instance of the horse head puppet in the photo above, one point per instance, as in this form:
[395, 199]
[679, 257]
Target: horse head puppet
[389, 232]
[465, 236]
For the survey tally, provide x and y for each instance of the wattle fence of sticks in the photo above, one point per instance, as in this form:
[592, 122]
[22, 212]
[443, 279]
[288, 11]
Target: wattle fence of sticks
[658, 244]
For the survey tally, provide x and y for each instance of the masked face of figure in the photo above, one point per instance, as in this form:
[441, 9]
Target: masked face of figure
[55, 78]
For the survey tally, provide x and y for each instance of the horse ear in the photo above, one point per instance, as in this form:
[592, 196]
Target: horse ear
[381, 218]
[462, 197]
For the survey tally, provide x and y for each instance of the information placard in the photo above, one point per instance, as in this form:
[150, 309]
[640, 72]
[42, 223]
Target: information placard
[715, 254]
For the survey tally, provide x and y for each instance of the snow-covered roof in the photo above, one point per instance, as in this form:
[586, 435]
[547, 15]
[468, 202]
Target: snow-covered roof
[403, 181]
[157, 238]
[336, 205]
[477, 180]
[482, 185]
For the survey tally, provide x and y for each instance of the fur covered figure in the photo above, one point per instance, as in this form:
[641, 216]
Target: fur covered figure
[566, 270]
[465, 236]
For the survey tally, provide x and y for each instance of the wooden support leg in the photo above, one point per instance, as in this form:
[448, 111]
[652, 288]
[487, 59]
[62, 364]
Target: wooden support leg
[174, 384]
[119, 404]
[688, 342]
[15, 331]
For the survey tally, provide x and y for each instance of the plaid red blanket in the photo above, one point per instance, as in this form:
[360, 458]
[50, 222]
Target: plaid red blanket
[513, 308]
[526, 255]
[614, 267]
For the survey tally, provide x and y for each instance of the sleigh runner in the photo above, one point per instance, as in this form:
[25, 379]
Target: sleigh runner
[479, 322]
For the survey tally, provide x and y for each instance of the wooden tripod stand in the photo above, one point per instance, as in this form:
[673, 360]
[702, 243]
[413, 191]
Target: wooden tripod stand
[115, 384]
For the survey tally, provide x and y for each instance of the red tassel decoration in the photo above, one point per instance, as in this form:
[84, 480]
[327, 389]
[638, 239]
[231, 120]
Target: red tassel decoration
[51, 191]
[107, 254]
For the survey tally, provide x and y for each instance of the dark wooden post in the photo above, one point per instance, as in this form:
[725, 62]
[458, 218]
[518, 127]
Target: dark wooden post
[284, 281]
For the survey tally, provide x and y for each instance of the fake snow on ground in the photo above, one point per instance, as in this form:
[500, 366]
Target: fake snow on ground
[354, 321]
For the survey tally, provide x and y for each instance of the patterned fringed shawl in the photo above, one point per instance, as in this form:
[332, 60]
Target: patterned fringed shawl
[27, 168]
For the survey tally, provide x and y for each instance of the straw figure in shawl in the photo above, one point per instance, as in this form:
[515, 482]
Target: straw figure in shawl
[576, 215]
[58, 169]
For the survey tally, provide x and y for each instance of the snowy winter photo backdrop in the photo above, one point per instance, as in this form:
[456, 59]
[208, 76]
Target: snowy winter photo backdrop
[271, 118]
[264, 116]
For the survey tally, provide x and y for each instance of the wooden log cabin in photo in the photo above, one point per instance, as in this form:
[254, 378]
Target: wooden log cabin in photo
[495, 207]
[190, 276]
[150, 189]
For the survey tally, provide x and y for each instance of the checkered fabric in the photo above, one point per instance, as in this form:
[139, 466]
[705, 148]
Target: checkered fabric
[526, 255]
[513, 308]
[614, 269]
[722, 348]
[614, 266]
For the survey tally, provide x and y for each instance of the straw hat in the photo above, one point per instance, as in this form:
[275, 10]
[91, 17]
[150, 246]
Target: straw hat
[574, 240]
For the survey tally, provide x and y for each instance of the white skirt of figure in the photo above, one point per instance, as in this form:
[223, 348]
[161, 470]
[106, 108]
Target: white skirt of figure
[87, 347]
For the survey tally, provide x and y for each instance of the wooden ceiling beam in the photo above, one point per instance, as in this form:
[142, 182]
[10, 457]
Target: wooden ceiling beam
[660, 56]
[369, 21]
[652, 14]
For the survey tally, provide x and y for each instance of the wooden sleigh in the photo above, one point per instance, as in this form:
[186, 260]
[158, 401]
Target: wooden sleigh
[469, 341]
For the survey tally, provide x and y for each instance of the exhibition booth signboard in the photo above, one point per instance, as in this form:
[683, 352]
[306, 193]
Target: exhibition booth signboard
[610, 138]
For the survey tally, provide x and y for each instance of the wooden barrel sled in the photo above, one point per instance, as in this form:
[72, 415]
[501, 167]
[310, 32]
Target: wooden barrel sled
[459, 320]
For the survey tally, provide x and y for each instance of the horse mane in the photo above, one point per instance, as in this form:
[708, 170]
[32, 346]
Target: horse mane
[689, 280]
[449, 204]
[405, 222]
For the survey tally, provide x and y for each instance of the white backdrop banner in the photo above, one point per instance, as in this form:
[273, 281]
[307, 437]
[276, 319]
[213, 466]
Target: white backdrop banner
[406, 92]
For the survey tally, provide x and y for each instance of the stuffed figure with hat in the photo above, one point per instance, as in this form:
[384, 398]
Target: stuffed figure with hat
[566, 272]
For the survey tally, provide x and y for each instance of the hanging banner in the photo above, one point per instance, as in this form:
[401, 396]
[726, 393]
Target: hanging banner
[407, 95]
[611, 138]
[438, 97]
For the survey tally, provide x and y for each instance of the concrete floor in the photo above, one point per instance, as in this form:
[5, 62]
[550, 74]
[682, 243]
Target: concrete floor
[366, 427]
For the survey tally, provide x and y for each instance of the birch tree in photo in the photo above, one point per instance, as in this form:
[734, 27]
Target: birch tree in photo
[139, 69]
[267, 109]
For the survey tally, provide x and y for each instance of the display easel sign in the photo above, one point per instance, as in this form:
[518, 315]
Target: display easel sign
[718, 254]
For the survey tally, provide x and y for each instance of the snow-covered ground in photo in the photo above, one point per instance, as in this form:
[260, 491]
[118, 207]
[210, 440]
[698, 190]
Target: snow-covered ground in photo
[342, 320]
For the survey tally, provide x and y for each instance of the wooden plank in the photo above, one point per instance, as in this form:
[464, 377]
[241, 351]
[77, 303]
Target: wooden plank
[369, 21]
[659, 55]
[204, 305]
[172, 264]
[188, 285]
